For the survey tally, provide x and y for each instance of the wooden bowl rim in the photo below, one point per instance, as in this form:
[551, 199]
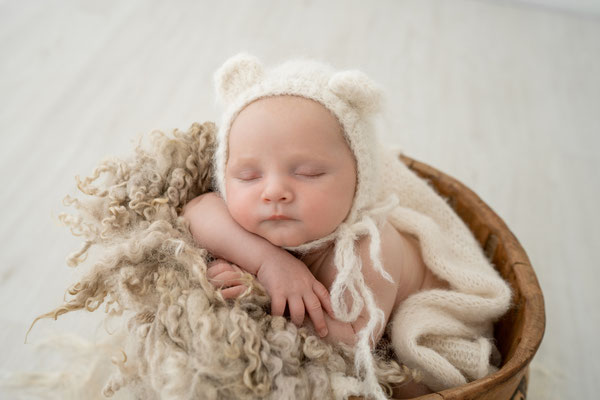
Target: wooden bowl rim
[532, 298]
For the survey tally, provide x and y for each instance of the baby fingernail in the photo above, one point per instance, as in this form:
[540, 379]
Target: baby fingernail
[323, 332]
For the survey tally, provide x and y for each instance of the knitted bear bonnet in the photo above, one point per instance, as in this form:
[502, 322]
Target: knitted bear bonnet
[349, 95]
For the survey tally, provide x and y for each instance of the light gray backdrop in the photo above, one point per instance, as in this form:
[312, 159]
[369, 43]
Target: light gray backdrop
[501, 95]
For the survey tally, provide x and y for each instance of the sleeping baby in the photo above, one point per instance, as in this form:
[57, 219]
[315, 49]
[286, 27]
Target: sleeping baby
[337, 228]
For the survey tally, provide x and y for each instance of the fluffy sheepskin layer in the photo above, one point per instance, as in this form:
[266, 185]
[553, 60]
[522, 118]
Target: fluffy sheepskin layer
[184, 341]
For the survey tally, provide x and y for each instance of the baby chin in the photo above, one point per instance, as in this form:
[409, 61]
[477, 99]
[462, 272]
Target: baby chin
[281, 234]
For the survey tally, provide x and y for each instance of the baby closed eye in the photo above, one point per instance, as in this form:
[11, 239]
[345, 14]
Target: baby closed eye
[256, 177]
[309, 172]
[310, 175]
[248, 176]
[252, 176]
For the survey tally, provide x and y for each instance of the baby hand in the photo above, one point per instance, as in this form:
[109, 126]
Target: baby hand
[288, 280]
[225, 276]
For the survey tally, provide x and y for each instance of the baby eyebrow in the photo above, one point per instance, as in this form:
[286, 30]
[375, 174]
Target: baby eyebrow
[309, 157]
[243, 159]
[244, 163]
[295, 159]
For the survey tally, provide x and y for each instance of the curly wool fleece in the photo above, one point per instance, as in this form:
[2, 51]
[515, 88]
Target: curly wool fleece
[184, 340]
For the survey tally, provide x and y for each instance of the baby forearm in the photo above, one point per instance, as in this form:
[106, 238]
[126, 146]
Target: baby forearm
[214, 229]
[347, 332]
[339, 331]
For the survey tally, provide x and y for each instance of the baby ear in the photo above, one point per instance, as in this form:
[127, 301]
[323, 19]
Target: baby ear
[357, 90]
[236, 75]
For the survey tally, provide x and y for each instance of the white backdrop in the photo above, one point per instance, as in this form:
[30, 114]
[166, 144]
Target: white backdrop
[581, 7]
[502, 96]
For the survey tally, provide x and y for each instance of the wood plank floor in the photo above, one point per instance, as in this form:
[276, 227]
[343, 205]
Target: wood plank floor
[505, 98]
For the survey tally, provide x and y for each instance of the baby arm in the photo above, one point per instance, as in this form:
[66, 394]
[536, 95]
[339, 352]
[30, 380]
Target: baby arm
[286, 279]
[385, 292]
[401, 258]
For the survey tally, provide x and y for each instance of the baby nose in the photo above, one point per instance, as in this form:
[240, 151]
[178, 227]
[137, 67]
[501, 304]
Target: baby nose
[277, 191]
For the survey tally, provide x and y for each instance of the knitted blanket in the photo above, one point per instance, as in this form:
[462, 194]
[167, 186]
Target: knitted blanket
[184, 341]
[446, 333]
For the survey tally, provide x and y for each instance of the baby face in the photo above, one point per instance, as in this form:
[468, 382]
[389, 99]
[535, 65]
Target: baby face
[290, 175]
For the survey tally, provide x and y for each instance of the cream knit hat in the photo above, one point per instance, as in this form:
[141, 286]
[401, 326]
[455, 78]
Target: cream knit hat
[353, 98]
[349, 95]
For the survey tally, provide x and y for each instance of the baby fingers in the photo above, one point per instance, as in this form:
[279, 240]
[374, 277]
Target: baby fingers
[313, 307]
[226, 279]
[233, 292]
[219, 266]
[226, 276]
[323, 294]
[296, 307]
[277, 305]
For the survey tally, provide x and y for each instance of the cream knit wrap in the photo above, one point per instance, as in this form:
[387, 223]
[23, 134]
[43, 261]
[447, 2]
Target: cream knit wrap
[445, 333]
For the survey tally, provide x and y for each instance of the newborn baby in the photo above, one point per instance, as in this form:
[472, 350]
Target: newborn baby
[301, 204]
[290, 179]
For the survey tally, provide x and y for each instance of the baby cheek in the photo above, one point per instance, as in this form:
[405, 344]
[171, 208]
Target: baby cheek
[324, 211]
[242, 212]
[336, 205]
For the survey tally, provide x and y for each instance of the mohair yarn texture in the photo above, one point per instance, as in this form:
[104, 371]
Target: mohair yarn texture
[184, 341]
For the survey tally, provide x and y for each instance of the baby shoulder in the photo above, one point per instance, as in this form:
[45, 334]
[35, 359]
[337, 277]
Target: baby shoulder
[392, 245]
[400, 257]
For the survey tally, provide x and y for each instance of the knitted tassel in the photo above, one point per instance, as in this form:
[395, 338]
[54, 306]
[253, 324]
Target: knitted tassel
[375, 249]
[350, 277]
[346, 261]
[364, 357]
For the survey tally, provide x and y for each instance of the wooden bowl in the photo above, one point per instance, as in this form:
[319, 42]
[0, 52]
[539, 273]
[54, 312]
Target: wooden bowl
[520, 331]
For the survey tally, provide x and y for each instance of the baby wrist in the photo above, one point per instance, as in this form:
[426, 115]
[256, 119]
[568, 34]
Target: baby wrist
[271, 255]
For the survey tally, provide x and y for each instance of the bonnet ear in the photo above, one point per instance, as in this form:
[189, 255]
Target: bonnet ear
[358, 90]
[237, 74]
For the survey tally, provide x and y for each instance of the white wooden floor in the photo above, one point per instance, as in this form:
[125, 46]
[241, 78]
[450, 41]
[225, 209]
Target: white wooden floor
[504, 97]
